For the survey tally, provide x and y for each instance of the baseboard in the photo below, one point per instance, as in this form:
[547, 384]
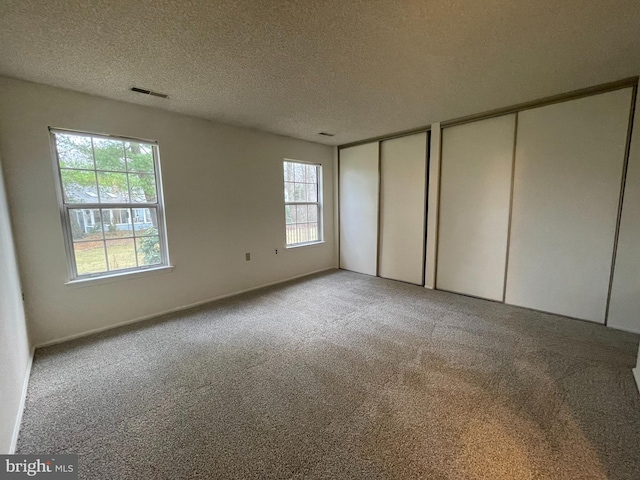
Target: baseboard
[23, 399]
[636, 374]
[176, 309]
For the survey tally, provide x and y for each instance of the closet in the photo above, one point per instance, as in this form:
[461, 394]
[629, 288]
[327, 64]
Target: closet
[383, 192]
[359, 184]
[567, 179]
[536, 207]
[475, 193]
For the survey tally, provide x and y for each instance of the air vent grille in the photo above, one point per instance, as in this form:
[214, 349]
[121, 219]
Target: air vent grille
[149, 92]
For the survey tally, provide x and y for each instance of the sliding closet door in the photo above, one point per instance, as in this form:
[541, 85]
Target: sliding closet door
[475, 191]
[358, 190]
[624, 309]
[403, 188]
[568, 170]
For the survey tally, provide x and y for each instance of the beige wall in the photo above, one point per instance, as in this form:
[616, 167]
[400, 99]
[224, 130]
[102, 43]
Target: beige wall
[14, 345]
[223, 194]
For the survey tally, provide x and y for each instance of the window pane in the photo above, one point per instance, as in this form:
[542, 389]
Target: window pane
[289, 170]
[79, 186]
[121, 254]
[311, 174]
[117, 222]
[300, 172]
[145, 221]
[290, 214]
[74, 151]
[148, 251]
[289, 192]
[312, 193]
[300, 192]
[301, 214]
[109, 154]
[312, 229]
[85, 224]
[143, 188]
[113, 187]
[90, 257]
[312, 213]
[139, 157]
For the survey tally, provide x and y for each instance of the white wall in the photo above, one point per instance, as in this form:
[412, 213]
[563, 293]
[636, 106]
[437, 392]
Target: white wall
[223, 193]
[15, 355]
[624, 309]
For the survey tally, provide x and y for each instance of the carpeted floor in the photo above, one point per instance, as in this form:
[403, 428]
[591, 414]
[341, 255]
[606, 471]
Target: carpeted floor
[342, 376]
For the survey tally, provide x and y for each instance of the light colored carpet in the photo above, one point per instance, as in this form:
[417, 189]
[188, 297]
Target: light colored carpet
[342, 376]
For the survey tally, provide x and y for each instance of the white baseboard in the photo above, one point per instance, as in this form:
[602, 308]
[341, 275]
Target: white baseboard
[636, 374]
[23, 399]
[176, 309]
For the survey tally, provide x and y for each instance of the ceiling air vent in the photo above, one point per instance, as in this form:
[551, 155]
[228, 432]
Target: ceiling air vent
[149, 92]
[327, 134]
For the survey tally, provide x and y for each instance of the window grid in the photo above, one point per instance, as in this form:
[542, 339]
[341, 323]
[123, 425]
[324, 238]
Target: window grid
[302, 203]
[120, 229]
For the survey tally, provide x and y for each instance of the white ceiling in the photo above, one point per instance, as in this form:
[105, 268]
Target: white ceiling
[298, 67]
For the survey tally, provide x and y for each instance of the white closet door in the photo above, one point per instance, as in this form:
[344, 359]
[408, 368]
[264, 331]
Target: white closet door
[624, 309]
[568, 169]
[358, 192]
[475, 193]
[403, 191]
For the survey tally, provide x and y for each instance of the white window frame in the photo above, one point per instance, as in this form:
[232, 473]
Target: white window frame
[318, 203]
[65, 210]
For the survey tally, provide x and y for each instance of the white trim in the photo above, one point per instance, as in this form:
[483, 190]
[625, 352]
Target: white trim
[23, 399]
[65, 207]
[305, 244]
[176, 309]
[116, 277]
[636, 375]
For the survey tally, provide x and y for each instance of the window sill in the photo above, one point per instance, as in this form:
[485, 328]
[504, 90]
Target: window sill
[117, 277]
[301, 245]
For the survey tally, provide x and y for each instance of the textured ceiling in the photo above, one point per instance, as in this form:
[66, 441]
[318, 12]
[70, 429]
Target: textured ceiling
[298, 67]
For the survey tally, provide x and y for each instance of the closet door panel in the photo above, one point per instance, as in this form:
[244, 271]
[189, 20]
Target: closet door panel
[358, 194]
[475, 192]
[568, 170]
[403, 164]
[624, 309]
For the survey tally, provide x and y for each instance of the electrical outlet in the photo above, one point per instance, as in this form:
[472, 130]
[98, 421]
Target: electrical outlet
[276, 251]
[247, 256]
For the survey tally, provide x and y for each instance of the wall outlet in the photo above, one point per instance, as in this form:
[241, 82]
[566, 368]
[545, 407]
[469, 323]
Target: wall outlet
[247, 256]
[276, 251]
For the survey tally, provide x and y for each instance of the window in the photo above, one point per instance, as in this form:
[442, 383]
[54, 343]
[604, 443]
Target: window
[302, 200]
[111, 203]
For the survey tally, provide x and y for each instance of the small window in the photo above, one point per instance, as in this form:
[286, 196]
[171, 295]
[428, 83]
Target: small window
[302, 203]
[110, 198]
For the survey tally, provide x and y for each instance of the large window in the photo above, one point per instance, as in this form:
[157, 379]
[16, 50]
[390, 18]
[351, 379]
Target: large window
[111, 203]
[303, 202]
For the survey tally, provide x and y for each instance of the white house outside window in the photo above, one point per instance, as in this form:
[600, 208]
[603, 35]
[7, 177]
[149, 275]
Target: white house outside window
[303, 203]
[111, 203]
